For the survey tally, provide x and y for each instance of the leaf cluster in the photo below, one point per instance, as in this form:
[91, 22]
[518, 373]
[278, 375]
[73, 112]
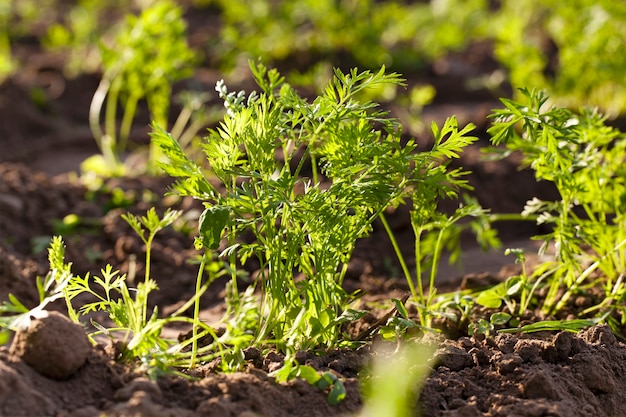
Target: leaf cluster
[583, 158]
[307, 179]
[146, 56]
[52, 287]
[300, 224]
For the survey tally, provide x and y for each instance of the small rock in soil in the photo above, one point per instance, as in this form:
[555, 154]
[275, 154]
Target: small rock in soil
[52, 345]
[563, 342]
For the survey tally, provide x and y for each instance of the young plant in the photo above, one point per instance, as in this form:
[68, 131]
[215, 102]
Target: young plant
[301, 226]
[436, 232]
[146, 57]
[516, 292]
[487, 327]
[584, 159]
[54, 286]
[340, 164]
[130, 314]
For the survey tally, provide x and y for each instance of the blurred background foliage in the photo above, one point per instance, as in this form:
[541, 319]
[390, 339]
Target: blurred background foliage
[573, 49]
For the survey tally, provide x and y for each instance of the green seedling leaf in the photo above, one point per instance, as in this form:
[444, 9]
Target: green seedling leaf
[447, 315]
[286, 372]
[482, 326]
[100, 166]
[15, 305]
[347, 316]
[498, 319]
[309, 374]
[67, 225]
[552, 325]
[402, 323]
[50, 288]
[212, 223]
[396, 327]
[490, 298]
[323, 382]
[151, 222]
[514, 285]
[388, 333]
[401, 308]
[5, 336]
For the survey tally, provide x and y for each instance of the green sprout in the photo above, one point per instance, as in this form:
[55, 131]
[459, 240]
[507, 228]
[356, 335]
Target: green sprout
[583, 158]
[147, 56]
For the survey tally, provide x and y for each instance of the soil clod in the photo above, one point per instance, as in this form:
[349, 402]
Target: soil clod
[52, 345]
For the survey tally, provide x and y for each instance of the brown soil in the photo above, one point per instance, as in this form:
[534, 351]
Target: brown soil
[543, 374]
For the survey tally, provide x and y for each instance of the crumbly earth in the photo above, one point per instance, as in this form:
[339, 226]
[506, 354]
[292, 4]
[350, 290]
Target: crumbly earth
[555, 375]
[543, 374]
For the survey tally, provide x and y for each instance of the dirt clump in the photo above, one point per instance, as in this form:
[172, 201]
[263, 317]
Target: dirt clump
[52, 345]
[562, 375]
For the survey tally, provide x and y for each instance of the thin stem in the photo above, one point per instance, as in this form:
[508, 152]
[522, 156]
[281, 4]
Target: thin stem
[502, 217]
[95, 108]
[110, 114]
[435, 267]
[314, 168]
[418, 264]
[586, 273]
[192, 300]
[396, 248]
[127, 121]
[181, 122]
[189, 133]
[159, 111]
[148, 242]
[196, 314]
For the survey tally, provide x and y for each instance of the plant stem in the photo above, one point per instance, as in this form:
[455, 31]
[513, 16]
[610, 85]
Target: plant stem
[181, 121]
[95, 108]
[110, 114]
[127, 121]
[434, 267]
[584, 276]
[396, 248]
[503, 217]
[196, 314]
[144, 307]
